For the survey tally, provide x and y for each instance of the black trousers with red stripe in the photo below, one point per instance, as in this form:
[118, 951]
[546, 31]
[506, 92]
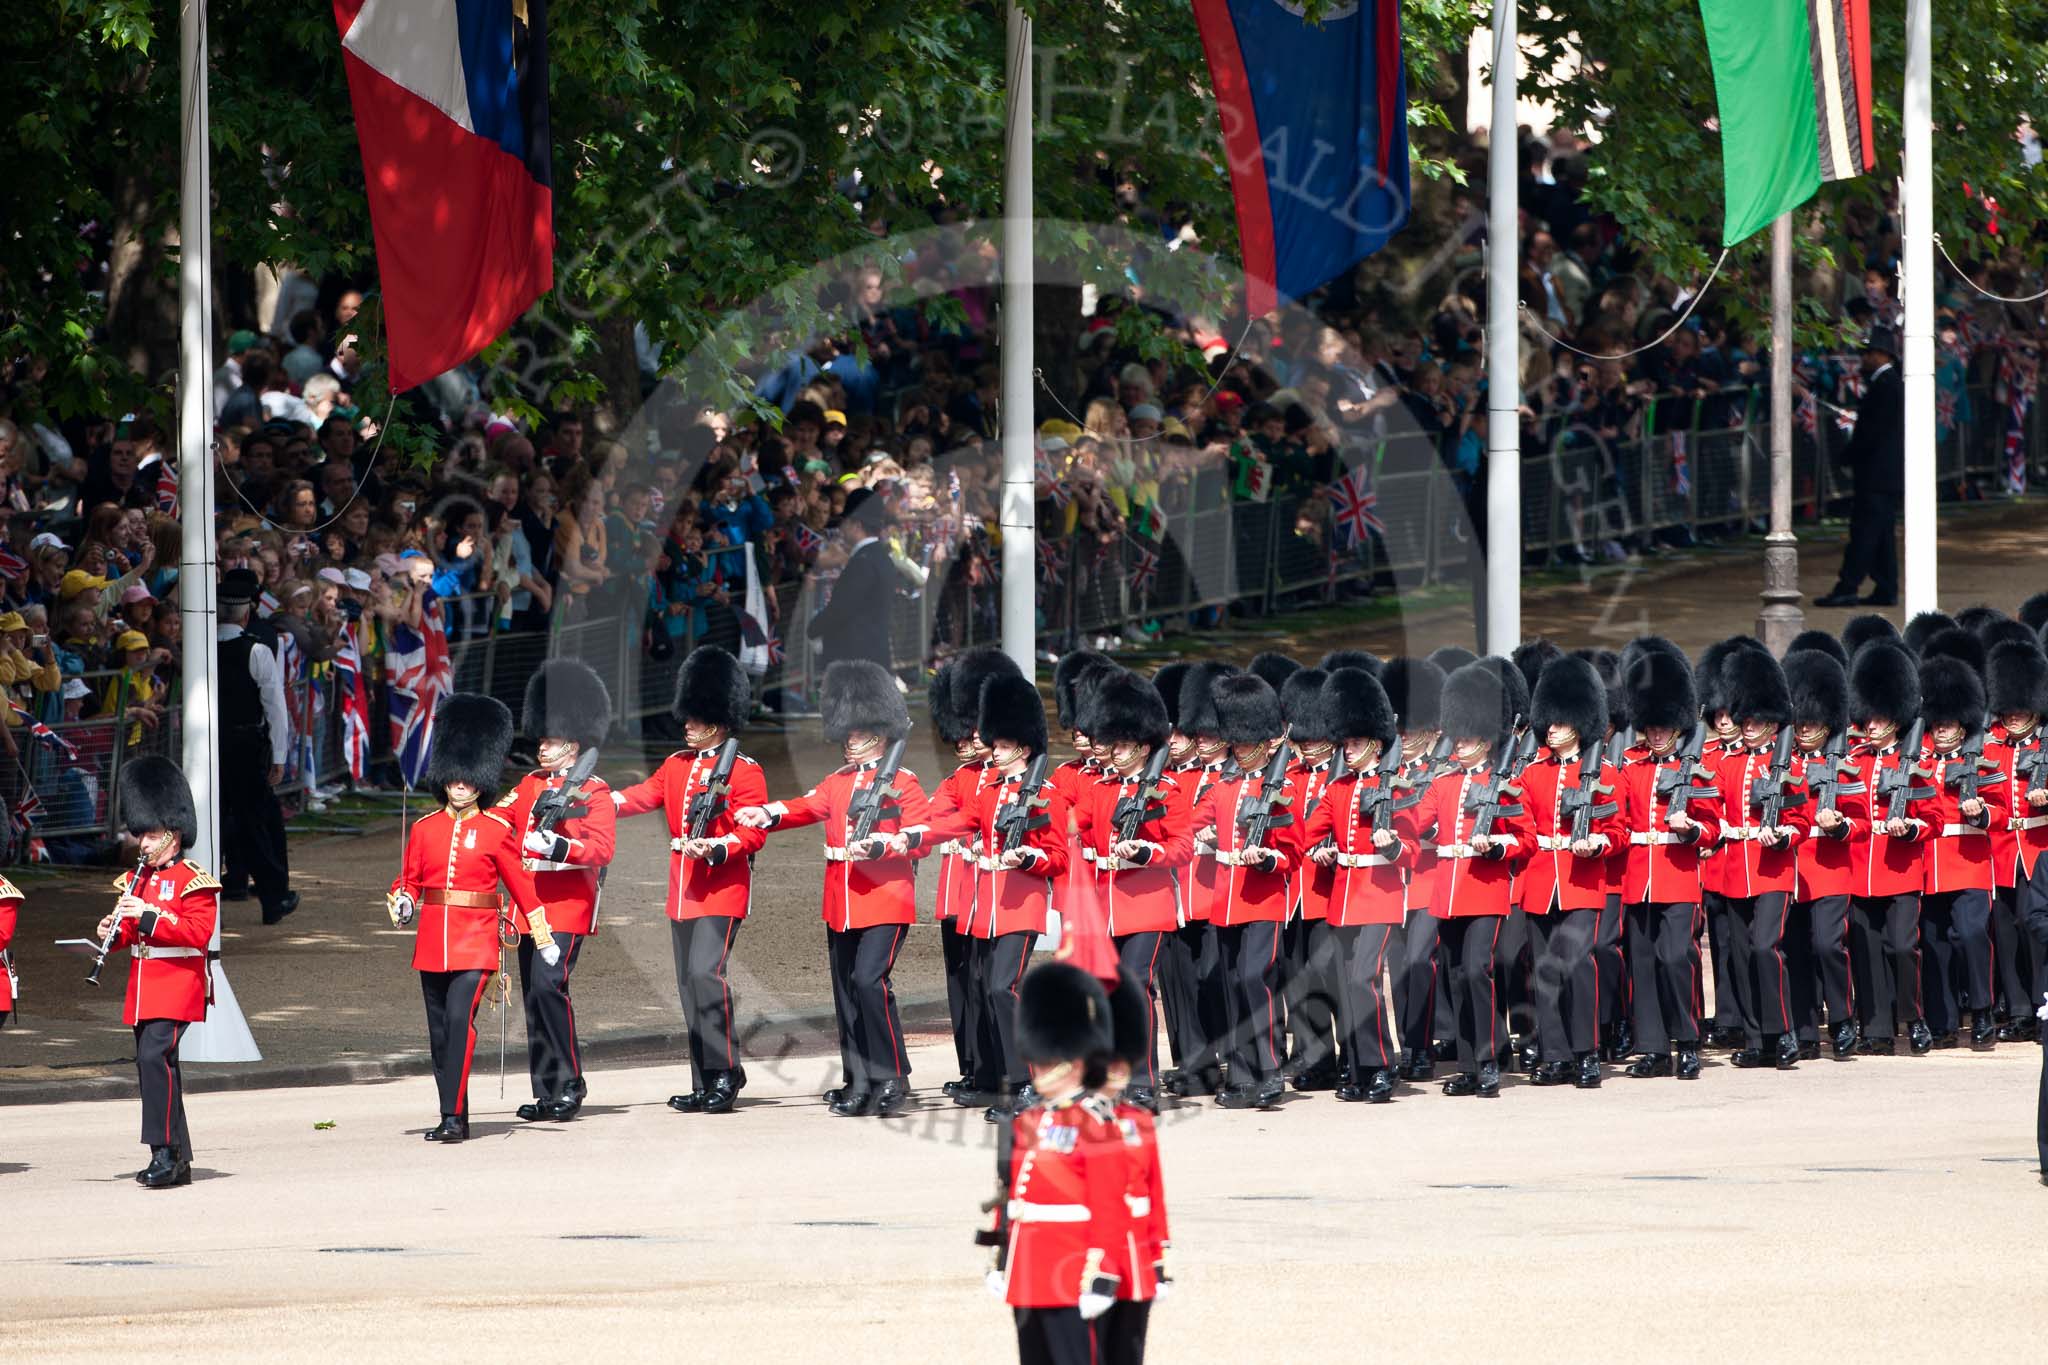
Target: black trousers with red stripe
[554, 1064]
[1611, 959]
[1054, 1336]
[1469, 943]
[1310, 966]
[871, 1047]
[2014, 952]
[1362, 951]
[1417, 990]
[703, 953]
[1763, 988]
[1955, 968]
[957, 950]
[453, 998]
[1663, 963]
[1120, 1333]
[1566, 978]
[1884, 953]
[1143, 955]
[1817, 953]
[999, 967]
[1251, 994]
[163, 1085]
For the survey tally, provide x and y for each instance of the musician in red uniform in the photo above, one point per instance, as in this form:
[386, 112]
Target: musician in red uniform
[568, 712]
[1062, 1175]
[870, 896]
[1207, 1024]
[455, 859]
[1021, 829]
[1120, 1332]
[1252, 883]
[1661, 882]
[1139, 878]
[1762, 863]
[1817, 941]
[1970, 800]
[1310, 962]
[165, 919]
[1564, 884]
[1360, 834]
[1415, 689]
[1476, 868]
[710, 873]
[955, 697]
[2016, 683]
[1885, 864]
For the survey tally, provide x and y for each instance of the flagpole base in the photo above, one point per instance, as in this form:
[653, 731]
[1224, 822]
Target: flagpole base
[223, 1035]
[1781, 617]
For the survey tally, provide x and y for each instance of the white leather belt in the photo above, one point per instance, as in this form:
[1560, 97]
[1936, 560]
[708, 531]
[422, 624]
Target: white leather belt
[1364, 860]
[1088, 855]
[1655, 836]
[952, 848]
[1238, 857]
[994, 863]
[840, 855]
[1138, 1204]
[1958, 831]
[149, 950]
[1205, 850]
[1741, 833]
[541, 865]
[1109, 864]
[1024, 1211]
[1456, 851]
[2029, 821]
[1554, 843]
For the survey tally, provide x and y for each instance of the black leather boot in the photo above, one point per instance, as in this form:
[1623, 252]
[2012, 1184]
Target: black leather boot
[454, 1128]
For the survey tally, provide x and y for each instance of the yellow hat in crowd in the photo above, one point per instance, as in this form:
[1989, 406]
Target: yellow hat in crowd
[131, 639]
[11, 622]
[76, 582]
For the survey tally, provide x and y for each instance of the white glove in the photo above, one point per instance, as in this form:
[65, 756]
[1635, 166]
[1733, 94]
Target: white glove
[538, 844]
[2042, 1013]
[401, 907]
[1094, 1306]
[552, 954]
[995, 1284]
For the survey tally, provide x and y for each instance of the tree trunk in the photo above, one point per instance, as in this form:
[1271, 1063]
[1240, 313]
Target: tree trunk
[142, 302]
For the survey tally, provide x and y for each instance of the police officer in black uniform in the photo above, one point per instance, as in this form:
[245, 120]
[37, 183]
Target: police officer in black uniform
[254, 732]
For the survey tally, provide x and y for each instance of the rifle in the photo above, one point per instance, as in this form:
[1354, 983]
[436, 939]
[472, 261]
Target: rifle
[1677, 786]
[1824, 778]
[1581, 804]
[1524, 753]
[1975, 766]
[1256, 818]
[553, 806]
[1016, 819]
[866, 809]
[1490, 800]
[1377, 804]
[1131, 811]
[706, 804]
[1895, 786]
[1770, 793]
[2032, 766]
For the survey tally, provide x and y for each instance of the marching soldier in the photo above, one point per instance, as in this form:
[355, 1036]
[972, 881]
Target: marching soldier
[1208, 1022]
[1761, 872]
[1140, 876]
[955, 698]
[455, 859]
[1175, 982]
[165, 920]
[1817, 936]
[1360, 833]
[870, 896]
[1415, 689]
[711, 864]
[1252, 882]
[2016, 679]
[1969, 801]
[568, 712]
[1309, 958]
[1669, 816]
[1022, 833]
[1120, 1332]
[1723, 738]
[1885, 868]
[1471, 816]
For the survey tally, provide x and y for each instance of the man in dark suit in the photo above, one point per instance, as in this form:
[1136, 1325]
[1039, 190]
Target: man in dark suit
[1876, 454]
[855, 623]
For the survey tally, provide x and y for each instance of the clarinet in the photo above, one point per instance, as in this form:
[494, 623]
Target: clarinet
[99, 960]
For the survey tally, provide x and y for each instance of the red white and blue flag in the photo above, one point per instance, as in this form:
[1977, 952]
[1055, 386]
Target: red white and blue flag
[451, 106]
[1355, 506]
[355, 703]
[1315, 129]
[42, 733]
[421, 677]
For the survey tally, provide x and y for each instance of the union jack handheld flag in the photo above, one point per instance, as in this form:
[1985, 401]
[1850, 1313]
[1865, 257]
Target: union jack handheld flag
[42, 733]
[1355, 506]
[420, 676]
[355, 703]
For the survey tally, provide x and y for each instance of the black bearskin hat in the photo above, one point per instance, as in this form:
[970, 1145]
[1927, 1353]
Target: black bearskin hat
[1884, 681]
[1711, 675]
[567, 700]
[1951, 693]
[1451, 658]
[1755, 687]
[1648, 644]
[1130, 1017]
[860, 694]
[472, 740]
[1515, 685]
[2006, 631]
[1066, 678]
[1198, 698]
[1062, 1015]
[1820, 689]
[1480, 703]
[1247, 710]
[956, 690]
[1924, 626]
[713, 689]
[1276, 668]
[1355, 706]
[2034, 611]
[2016, 679]
[1301, 706]
[1532, 657]
[1569, 692]
[155, 795]
[1351, 658]
[1166, 682]
[1955, 643]
[1125, 708]
[1415, 689]
[1607, 664]
[1822, 641]
[1012, 710]
[1975, 619]
[1859, 631]
[1661, 692]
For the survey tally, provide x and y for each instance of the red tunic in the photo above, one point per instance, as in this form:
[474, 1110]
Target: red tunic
[1147, 899]
[1663, 866]
[697, 888]
[1063, 1218]
[1958, 849]
[1827, 862]
[1422, 871]
[860, 894]
[569, 882]
[1145, 1235]
[1754, 868]
[168, 977]
[1367, 885]
[1006, 900]
[1555, 878]
[1880, 865]
[2017, 843]
[1310, 890]
[10, 901]
[1204, 883]
[1467, 883]
[1256, 891]
[1715, 860]
[960, 791]
[453, 864]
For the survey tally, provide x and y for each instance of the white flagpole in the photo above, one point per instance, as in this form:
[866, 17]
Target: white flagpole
[1916, 271]
[1503, 351]
[1018, 519]
[224, 1034]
